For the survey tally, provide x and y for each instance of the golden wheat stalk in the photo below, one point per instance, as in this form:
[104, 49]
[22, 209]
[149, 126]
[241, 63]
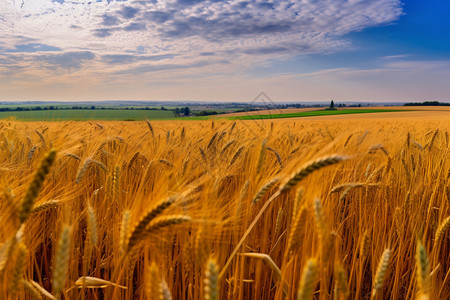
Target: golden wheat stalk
[150, 127]
[61, 261]
[380, 274]
[278, 221]
[297, 202]
[165, 293]
[94, 283]
[341, 281]
[269, 261]
[34, 293]
[430, 143]
[73, 156]
[297, 230]
[236, 155]
[91, 226]
[322, 228]
[165, 221]
[41, 137]
[364, 245]
[124, 231]
[100, 165]
[42, 290]
[116, 181]
[6, 250]
[374, 149]
[263, 190]
[423, 268]
[212, 140]
[133, 159]
[354, 185]
[308, 280]
[211, 281]
[87, 163]
[140, 227]
[45, 205]
[277, 155]
[442, 229]
[262, 154]
[309, 168]
[31, 152]
[19, 269]
[35, 186]
[227, 146]
[417, 145]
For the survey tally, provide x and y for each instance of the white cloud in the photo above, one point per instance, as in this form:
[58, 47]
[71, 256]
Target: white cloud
[234, 34]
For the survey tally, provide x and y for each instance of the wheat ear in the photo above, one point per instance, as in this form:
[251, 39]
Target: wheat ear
[442, 229]
[297, 230]
[124, 230]
[83, 169]
[341, 281]
[236, 155]
[280, 162]
[262, 155]
[211, 282]
[139, 228]
[61, 261]
[262, 191]
[165, 293]
[165, 221]
[6, 250]
[308, 168]
[308, 280]
[364, 246]
[36, 185]
[100, 165]
[94, 282]
[30, 154]
[381, 272]
[91, 226]
[150, 127]
[19, 268]
[152, 282]
[45, 205]
[423, 268]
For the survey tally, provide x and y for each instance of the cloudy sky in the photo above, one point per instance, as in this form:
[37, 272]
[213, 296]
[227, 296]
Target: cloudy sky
[219, 50]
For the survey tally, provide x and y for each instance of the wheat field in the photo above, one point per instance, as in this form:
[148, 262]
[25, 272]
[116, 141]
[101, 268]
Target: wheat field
[289, 209]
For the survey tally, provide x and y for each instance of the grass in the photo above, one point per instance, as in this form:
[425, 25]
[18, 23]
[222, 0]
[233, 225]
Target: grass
[139, 115]
[209, 210]
[85, 115]
[313, 114]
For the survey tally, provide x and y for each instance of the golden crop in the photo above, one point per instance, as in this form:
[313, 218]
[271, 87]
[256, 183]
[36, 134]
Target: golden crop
[225, 210]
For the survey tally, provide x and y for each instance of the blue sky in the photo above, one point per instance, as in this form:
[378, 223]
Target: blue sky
[219, 50]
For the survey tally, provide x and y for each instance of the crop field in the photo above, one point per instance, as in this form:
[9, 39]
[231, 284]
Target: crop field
[85, 114]
[314, 113]
[223, 209]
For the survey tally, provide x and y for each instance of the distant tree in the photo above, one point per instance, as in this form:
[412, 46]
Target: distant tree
[332, 104]
[207, 113]
[187, 111]
[176, 112]
[163, 108]
[359, 105]
[92, 107]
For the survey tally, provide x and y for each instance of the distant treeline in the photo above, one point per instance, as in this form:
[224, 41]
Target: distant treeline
[34, 108]
[427, 103]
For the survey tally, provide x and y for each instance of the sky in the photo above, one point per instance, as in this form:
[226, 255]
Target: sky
[219, 50]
